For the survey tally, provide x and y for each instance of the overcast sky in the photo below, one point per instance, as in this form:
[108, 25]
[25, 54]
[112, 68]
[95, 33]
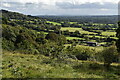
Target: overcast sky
[62, 7]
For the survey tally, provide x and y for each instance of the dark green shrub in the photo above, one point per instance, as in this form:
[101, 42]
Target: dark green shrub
[8, 45]
[80, 53]
[94, 66]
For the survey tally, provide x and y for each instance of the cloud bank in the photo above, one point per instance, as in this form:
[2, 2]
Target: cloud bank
[62, 7]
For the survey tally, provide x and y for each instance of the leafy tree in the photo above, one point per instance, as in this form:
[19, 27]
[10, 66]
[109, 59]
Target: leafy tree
[66, 32]
[41, 38]
[80, 53]
[62, 40]
[8, 45]
[65, 24]
[99, 33]
[9, 32]
[59, 39]
[86, 37]
[109, 55]
[118, 35]
[51, 49]
[52, 36]
[4, 20]
[76, 33]
[118, 41]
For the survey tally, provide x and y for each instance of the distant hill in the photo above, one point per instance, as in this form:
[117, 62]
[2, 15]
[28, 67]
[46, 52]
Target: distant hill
[15, 15]
[107, 19]
[82, 19]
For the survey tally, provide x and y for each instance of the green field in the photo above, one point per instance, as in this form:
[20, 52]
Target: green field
[55, 23]
[72, 22]
[69, 22]
[114, 37]
[98, 48]
[107, 33]
[71, 29]
[101, 24]
[96, 36]
[70, 38]
[45, 32]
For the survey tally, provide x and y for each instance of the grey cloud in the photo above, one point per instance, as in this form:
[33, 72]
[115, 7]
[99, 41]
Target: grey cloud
[27, 8]
[66, 8]
[12, 4]
[34, 5]
[96, 5]
[17, 5]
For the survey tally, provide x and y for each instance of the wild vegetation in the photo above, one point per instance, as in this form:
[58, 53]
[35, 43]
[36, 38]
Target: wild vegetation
[39, 47]
[17, 65]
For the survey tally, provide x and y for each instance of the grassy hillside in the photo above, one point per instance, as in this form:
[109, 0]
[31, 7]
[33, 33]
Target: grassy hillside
[16, 65]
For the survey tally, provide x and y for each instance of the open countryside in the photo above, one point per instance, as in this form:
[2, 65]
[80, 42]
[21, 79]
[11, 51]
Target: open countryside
[60, 47]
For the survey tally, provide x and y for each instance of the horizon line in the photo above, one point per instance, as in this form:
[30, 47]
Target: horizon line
[63, 14]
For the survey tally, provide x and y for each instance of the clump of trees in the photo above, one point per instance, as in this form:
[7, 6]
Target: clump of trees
[109, 55]
[118, 41]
